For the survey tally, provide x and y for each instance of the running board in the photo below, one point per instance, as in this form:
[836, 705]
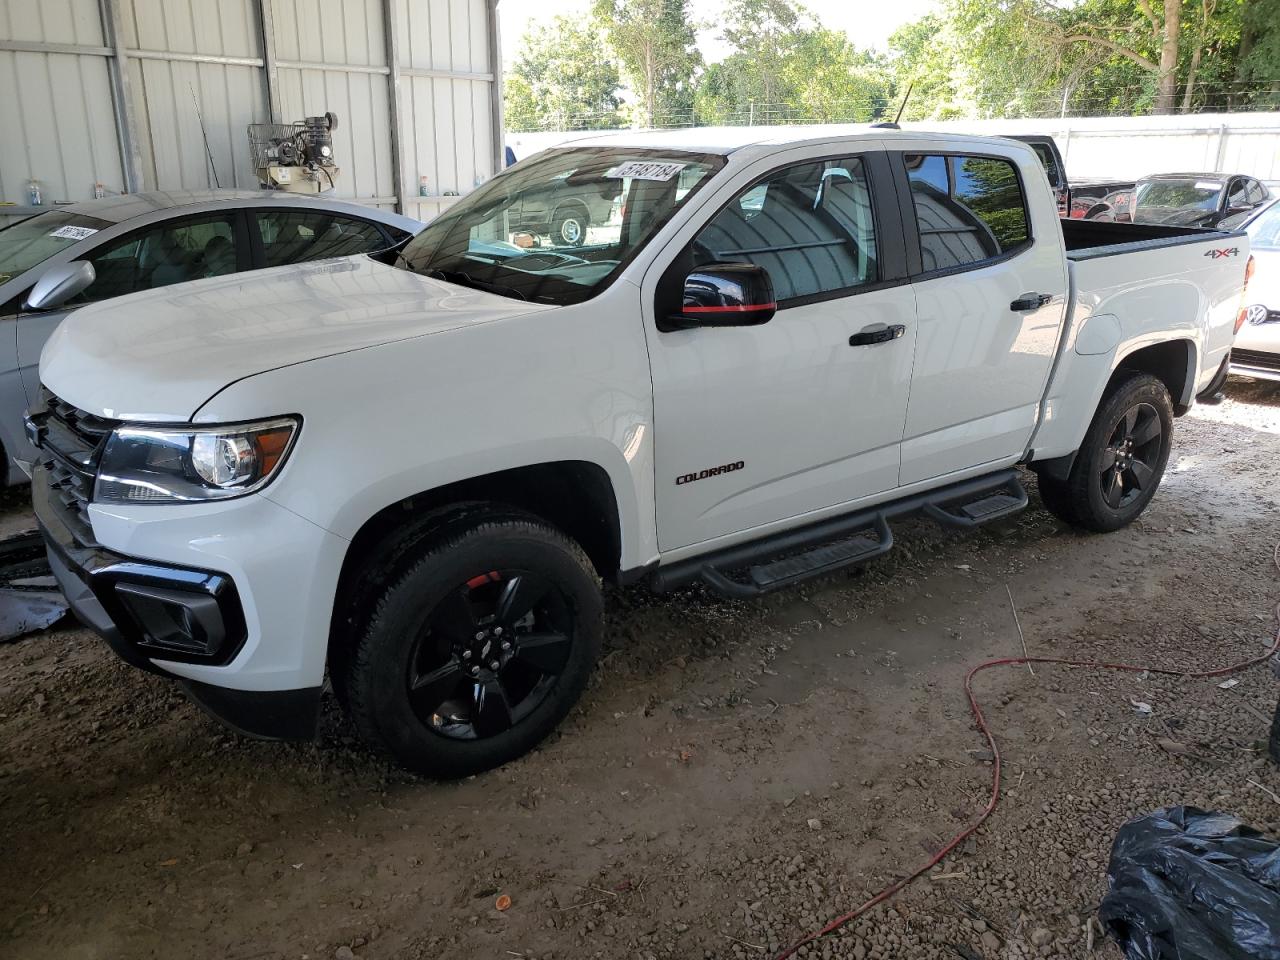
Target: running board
[793, 556]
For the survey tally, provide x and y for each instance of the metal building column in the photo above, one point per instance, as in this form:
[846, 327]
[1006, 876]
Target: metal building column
[121, 94]
[495, 91]
[270, 71]
[395, 102]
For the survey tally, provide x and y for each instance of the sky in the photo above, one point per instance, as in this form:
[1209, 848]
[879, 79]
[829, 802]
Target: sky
[867, 22]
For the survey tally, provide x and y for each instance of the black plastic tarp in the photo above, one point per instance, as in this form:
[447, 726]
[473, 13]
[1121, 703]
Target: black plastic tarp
[1188, 884]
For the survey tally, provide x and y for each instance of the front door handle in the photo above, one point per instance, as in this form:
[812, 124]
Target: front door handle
[877, 333]
[1030, 301]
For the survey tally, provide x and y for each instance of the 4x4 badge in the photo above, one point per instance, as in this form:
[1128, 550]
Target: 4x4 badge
[1218, 254]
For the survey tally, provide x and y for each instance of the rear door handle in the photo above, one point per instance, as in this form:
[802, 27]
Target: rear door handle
[1030, 301]
[877, 333]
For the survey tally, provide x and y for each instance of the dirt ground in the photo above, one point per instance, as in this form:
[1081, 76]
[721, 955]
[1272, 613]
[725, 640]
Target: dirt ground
[737, 773]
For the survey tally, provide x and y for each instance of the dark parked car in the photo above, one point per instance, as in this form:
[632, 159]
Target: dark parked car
[566, 210]
[1093, 199]
[1196, 199]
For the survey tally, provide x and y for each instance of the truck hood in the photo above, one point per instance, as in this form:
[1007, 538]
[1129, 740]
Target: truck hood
[160, 355]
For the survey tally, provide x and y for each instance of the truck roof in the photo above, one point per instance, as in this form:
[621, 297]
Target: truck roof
[725, 140]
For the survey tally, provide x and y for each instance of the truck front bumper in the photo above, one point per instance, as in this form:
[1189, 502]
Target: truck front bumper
[198, 619]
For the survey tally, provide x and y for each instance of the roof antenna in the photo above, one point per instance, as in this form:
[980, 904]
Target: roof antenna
[901, 107]
[208, 152]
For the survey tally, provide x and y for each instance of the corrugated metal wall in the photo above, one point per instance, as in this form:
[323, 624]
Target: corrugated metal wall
[56, 119]
[173, 63]
[446, 61]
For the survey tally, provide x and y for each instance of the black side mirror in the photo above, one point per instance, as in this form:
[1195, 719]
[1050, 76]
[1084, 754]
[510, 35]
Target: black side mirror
[725, 295]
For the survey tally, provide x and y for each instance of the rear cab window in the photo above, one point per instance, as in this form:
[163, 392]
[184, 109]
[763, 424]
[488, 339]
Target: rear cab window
[968, 209]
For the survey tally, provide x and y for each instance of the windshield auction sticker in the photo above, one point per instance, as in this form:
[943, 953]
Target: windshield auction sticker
[644, 170]
[73, 233]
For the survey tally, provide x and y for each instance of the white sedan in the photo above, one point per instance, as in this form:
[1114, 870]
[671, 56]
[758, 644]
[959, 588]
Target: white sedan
[1257, 348]
[80, 253]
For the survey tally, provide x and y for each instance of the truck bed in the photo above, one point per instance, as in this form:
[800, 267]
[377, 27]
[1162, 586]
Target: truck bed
[1089, 239]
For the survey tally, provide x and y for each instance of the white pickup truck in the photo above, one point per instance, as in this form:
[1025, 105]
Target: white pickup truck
[413, 476]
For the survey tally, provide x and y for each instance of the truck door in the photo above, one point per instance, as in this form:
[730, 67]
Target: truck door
[763, 424]
[991, 290]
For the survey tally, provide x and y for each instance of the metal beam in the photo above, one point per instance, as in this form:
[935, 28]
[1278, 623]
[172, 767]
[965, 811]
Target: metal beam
[495, 92]
[445, 74]
[331, 67]
[395, 99]
[121, 94]
[33, 46]
[194, 58]
[271, 69]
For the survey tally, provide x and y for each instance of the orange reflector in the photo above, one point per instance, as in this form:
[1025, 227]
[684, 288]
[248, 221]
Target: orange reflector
[271, 447]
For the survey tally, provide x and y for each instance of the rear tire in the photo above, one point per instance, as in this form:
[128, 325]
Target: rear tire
[479, 648]
[1118, 467]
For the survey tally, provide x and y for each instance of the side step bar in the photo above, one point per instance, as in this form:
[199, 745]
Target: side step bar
[792, 556]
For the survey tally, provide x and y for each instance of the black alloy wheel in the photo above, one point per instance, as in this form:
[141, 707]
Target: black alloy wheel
[1130, 461]
[490, 654]
[1121, 459]
[477, 643]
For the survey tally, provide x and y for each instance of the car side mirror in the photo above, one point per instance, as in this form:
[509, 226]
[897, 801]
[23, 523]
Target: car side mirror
[725, 295]
[59, 284]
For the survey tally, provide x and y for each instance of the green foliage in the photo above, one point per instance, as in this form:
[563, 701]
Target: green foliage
[655, 42]
[562, 80]
[788, 68]
[967, 58]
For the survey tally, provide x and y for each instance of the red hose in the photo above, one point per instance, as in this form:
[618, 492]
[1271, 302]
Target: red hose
[964, 834]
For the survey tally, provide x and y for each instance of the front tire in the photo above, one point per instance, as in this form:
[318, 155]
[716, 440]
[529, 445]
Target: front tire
[479, 649]
[1118, 467]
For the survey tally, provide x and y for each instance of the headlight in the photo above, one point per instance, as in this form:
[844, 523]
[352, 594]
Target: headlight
[168, 464]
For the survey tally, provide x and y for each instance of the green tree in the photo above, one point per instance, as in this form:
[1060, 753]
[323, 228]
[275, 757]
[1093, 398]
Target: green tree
[785, 67]
[655, 42]
[927, 69]
[563, 78]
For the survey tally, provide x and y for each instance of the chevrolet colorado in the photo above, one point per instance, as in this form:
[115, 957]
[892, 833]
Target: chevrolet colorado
[411, 477]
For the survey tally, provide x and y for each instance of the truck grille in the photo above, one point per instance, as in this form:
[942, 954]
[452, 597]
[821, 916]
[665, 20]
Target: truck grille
[71, 445]
[1256, 359]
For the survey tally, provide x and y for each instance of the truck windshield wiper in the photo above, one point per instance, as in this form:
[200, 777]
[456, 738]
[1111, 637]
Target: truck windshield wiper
[465, 279]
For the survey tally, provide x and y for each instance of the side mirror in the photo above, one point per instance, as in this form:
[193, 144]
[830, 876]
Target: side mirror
[60, 284]
[726, 295]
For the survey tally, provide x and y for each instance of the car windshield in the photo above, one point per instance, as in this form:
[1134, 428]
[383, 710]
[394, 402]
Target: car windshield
[1188, 194]
[34, 240]
[1264, 232]
[558, 227]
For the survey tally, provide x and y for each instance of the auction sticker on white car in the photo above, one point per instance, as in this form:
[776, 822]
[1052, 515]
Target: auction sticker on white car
[73, 233]
[644, 170]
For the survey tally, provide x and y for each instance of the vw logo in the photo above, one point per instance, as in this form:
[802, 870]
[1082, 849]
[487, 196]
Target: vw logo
[1256, 314]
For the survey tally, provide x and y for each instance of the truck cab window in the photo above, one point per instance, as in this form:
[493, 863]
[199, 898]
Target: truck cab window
[809, 225]
[968, 209]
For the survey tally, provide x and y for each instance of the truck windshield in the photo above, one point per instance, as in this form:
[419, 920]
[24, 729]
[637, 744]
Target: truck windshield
[1187, 194]
[558, 227]
[34, 240]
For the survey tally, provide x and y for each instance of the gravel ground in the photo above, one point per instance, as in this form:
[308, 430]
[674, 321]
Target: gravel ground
[737, 773]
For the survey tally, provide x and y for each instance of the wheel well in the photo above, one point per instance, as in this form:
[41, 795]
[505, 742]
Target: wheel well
[1171, 363]
[579, 206]
[574, 496]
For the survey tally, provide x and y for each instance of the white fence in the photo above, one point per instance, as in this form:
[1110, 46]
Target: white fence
[1129, 147]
